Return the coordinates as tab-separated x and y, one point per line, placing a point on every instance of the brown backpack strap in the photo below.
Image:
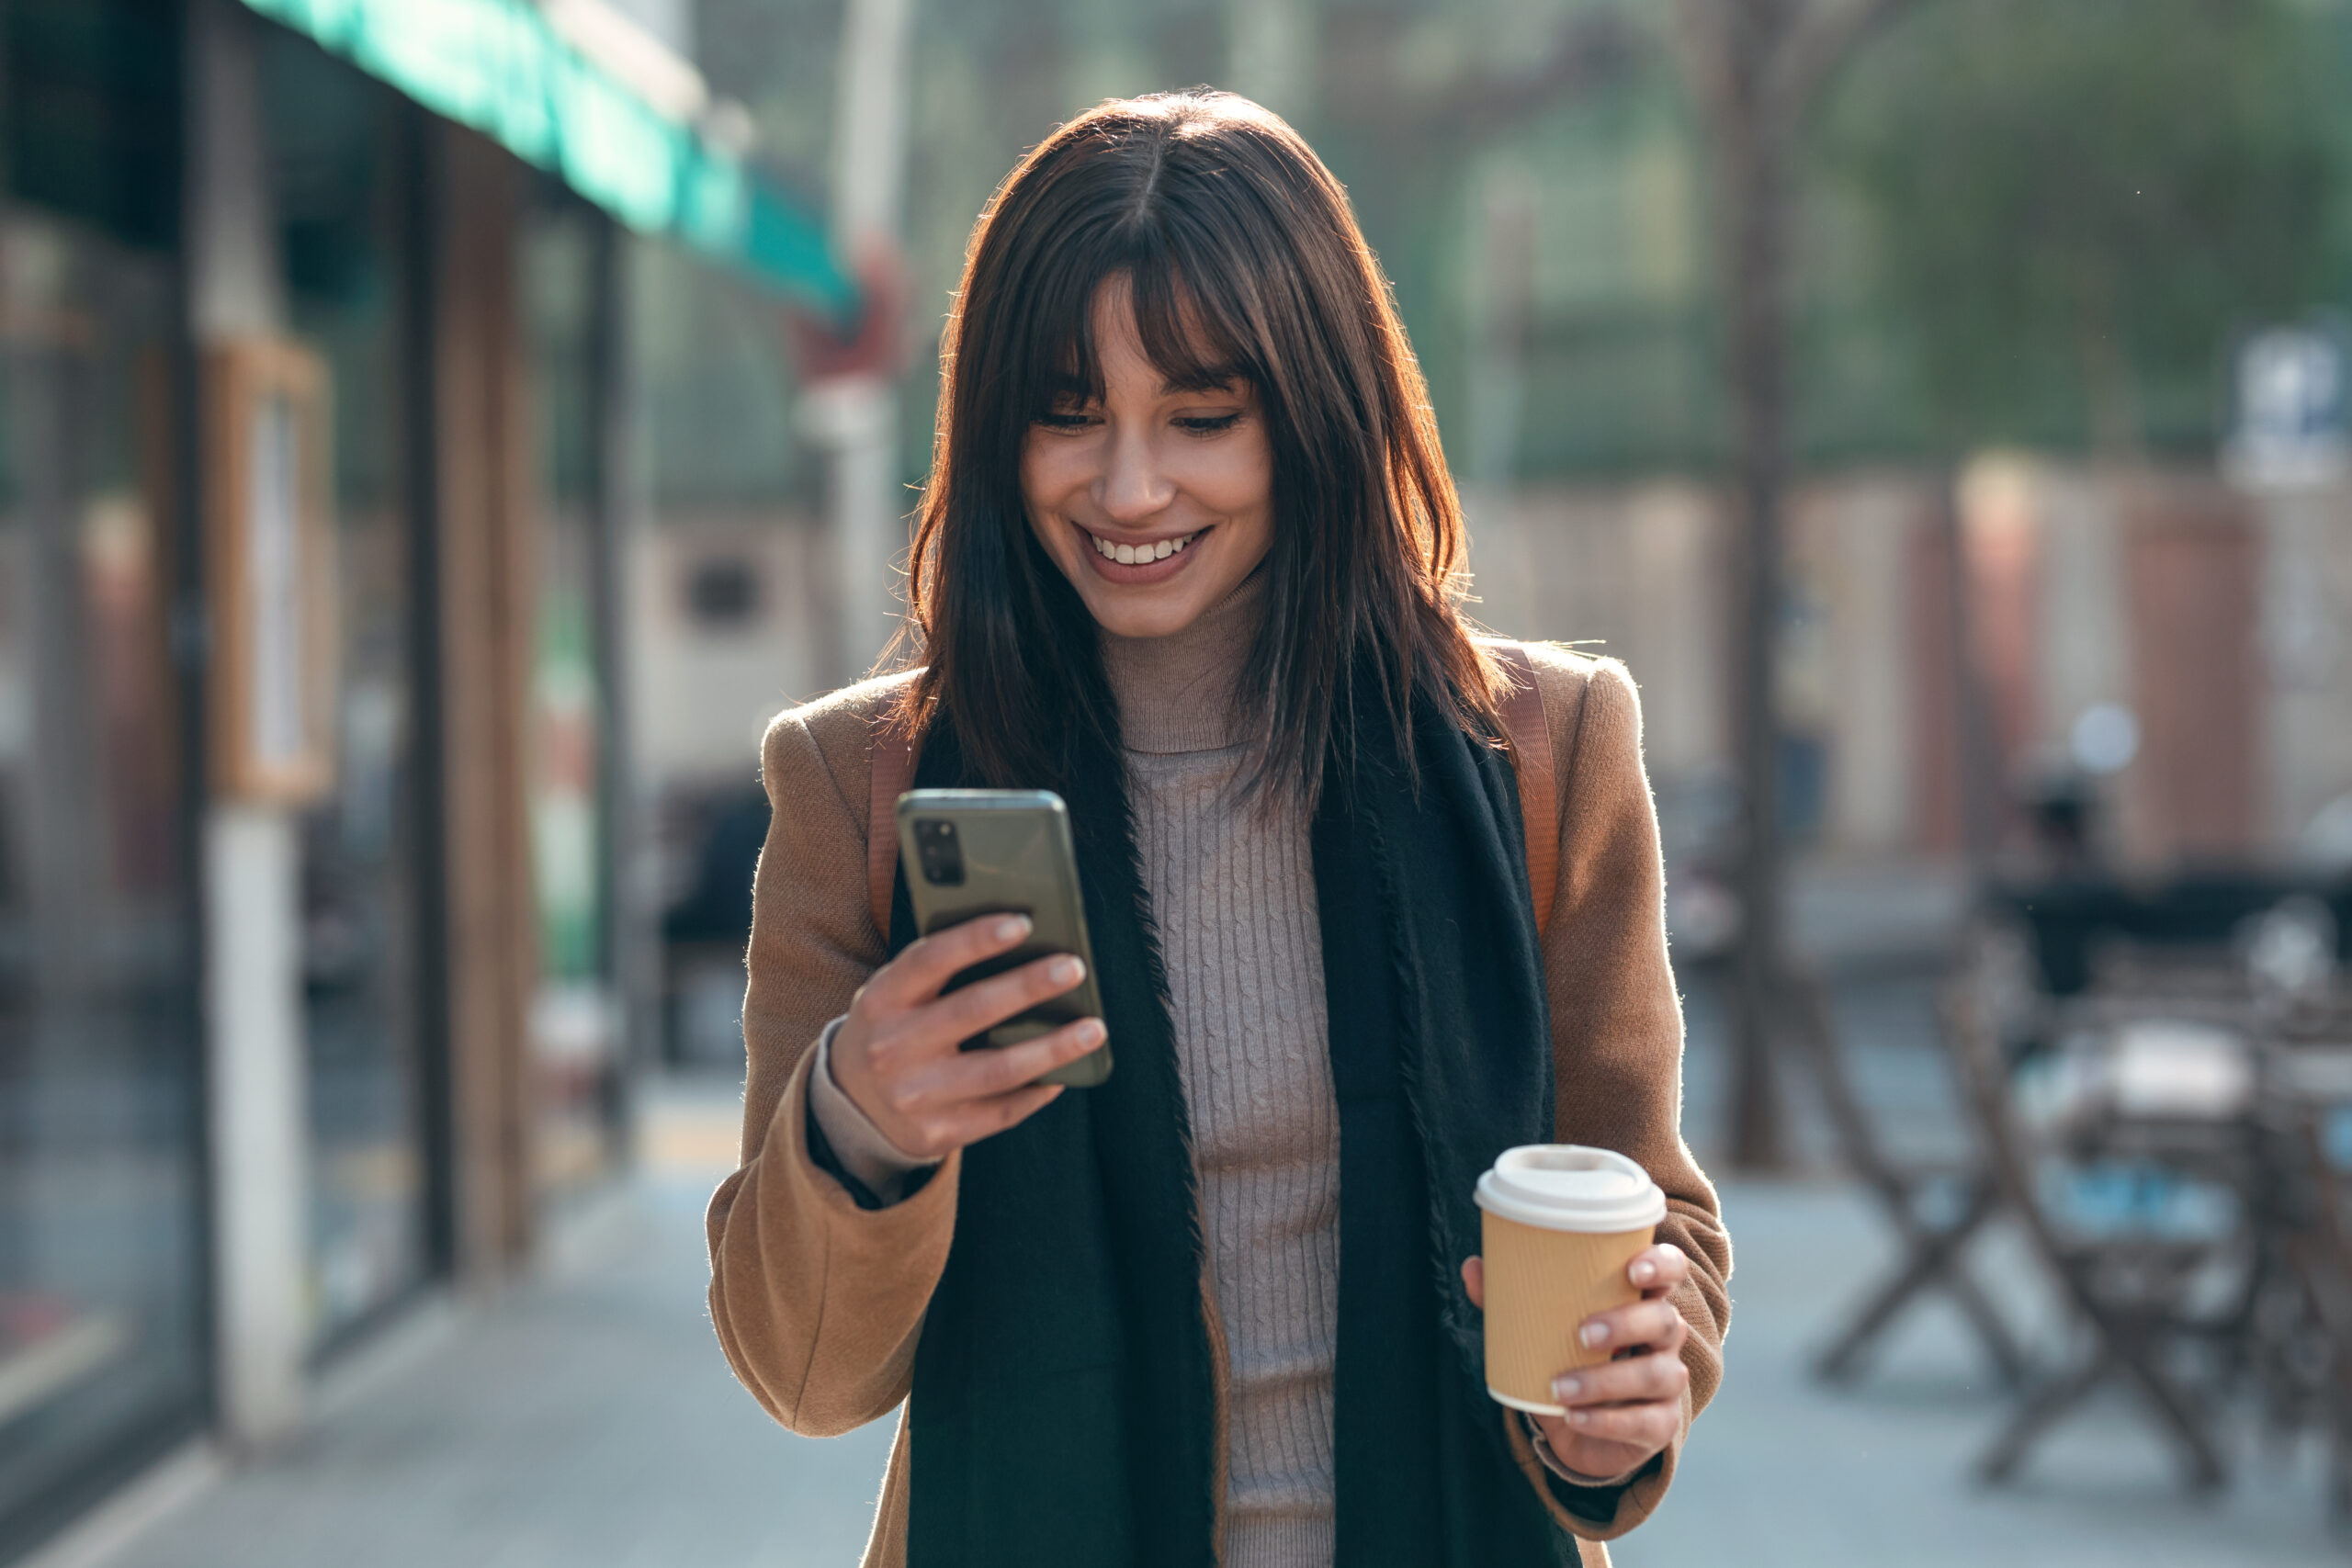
894	771
1530	743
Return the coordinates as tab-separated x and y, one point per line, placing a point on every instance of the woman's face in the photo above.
1154	501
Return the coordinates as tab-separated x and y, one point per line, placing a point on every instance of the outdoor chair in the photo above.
2139	1290
1935	1210
2302	1350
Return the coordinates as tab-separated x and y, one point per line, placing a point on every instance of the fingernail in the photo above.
1643	1271
1565	1388
1012	928
1066	971
1592	1334
1579	1417
1091	1031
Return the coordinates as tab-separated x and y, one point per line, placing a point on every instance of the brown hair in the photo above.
1242	262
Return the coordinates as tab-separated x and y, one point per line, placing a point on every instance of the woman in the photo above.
1188	557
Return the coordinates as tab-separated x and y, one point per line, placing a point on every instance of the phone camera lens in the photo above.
938	852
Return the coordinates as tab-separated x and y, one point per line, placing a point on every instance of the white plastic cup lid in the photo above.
1567	1187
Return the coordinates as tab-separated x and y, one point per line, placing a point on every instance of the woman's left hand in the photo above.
1628	1409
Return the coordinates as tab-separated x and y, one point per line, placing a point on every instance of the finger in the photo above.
1648	1427
962	1014
1659	1268
1637	1380
1651	1323
984	1075
916	974
1473	1279
985	1118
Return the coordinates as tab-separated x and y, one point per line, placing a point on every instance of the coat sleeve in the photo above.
1617	1021
817	1301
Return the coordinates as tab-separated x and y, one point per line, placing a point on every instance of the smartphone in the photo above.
969	853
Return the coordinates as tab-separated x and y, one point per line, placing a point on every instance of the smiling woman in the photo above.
1188	557
1149	485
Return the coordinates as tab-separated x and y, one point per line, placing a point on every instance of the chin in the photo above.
1146	615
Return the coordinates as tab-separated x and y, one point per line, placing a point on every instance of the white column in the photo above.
255	1092
855	417
255	1076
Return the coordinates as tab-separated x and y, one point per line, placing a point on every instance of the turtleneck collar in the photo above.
1176	692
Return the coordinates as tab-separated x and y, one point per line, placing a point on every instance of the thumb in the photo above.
1473	1279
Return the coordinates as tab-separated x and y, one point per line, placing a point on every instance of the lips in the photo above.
1138	553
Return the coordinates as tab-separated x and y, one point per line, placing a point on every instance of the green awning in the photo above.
497	67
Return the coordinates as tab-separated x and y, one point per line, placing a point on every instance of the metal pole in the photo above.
855	417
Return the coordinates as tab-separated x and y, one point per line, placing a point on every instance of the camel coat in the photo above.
818	1303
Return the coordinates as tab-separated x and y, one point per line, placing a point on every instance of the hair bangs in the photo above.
1195	342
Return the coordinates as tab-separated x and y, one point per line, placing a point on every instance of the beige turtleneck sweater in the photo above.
1233	891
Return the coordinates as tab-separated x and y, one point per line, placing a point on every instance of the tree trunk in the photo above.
1752	157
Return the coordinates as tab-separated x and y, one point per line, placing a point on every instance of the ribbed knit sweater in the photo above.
1233	891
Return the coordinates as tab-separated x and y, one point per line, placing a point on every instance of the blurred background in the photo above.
436	435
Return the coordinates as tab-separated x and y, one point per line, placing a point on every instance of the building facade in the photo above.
316	986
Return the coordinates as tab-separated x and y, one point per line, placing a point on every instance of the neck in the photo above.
1177	692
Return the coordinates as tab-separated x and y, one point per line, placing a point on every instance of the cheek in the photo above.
1235	477
1044	481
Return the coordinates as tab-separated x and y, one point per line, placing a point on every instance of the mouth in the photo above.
1143	552
1140	562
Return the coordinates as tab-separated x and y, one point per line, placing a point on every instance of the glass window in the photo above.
99	1197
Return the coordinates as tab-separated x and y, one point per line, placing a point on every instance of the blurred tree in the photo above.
2075	204
1755	69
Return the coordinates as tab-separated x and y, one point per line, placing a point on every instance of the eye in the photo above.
1207	424
1065	419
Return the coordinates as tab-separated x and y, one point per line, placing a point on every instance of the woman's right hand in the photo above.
899	1056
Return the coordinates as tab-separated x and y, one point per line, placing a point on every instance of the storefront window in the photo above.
99	1200
335	179
575	1022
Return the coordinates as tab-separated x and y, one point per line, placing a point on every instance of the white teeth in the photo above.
1129	555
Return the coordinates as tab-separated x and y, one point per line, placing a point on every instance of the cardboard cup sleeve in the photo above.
1560	1224
1541	1286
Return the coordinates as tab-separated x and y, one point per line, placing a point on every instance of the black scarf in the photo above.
1064	1410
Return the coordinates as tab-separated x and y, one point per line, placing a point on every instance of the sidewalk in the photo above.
588	1422
584	1421
1781	1472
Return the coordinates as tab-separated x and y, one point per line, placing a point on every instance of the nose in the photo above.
1132	488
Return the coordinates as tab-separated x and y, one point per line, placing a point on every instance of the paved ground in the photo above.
588	1422
1796	1475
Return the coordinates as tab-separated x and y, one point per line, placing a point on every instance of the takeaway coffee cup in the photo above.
1562	1223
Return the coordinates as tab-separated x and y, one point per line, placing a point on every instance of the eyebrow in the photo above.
1209	379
